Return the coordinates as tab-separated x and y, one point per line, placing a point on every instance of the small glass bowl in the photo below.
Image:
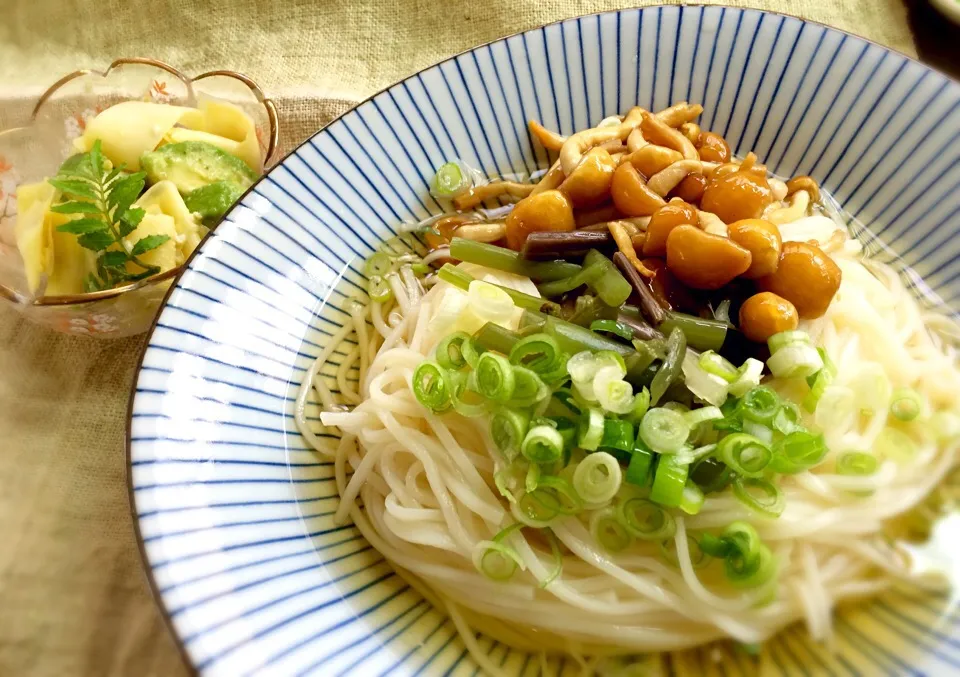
35	151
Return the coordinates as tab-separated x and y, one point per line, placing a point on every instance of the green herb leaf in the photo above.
96	160
83	226
130	220
149	242
75	165
76	187
115	259
96	240
75	208
124	191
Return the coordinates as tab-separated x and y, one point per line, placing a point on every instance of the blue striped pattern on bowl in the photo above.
235	511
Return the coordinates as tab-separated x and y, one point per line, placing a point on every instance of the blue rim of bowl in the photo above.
148	570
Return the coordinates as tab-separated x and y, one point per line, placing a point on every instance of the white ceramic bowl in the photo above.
234	510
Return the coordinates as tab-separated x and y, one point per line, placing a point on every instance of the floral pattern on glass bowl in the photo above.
35	151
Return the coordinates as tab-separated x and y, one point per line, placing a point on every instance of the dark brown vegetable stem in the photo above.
557	245
648	304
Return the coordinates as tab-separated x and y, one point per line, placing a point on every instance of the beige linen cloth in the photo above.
73	597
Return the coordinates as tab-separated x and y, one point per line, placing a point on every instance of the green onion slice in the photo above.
669	481
617	435
760	404
797	452
495	377
744	454
591	429
641	404
528	388
378	289
695	417
857	463
785	338
597	478
759	495
508	428
538	352
432	386
607	530
753	573
612	392
556	494
905	404
532	480
449	351
711	474
788	418
698	558
795	360
378	264
542	444
714	363
640	470
450	180
646	520
557	560
664	430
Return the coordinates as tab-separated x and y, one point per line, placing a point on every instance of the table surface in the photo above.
73	596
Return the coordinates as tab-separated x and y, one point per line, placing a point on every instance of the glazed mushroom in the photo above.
548	139
657	131
478	194
667	179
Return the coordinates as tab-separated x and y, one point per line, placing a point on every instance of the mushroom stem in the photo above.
478	194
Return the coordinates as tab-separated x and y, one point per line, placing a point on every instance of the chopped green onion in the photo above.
707	387
714	363
608	531
532	479
495	377
528	388
556	493
669	481
748	377
467	401
538	352
759	430
751	573
500	258
785	338
591	429
449	351
646	520
534	513
788	418
563	404
503	479
497	561
508	428
641	404
612	392
672	364
618	436
760	404
711	474
795	360
905	404
640	470
542	444
664	430
819	382
857	463
471	352
492	336
612	287
759	495
700	333
717	547
597	478
895	444
583	366
432	386
697	416
557	560
378	264
450	180
612	326
691	500
745	454
797	452
378	289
